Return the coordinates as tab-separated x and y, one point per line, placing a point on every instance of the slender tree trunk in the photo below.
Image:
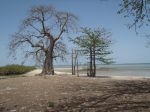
91	71
94	64
72	63
75	61
77	68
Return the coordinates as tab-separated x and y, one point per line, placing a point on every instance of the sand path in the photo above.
37	71
33	73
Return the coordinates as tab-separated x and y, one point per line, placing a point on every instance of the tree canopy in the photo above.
137	10
95	44
98	38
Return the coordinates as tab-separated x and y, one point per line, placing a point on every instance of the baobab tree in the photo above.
41	35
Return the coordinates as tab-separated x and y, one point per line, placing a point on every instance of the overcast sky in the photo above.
127	46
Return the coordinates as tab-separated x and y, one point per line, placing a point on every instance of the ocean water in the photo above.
142	70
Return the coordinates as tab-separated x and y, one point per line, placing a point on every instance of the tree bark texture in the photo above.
48	68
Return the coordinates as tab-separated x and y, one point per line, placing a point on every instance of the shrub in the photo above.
15	69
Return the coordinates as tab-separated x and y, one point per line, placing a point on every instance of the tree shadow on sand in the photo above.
122	96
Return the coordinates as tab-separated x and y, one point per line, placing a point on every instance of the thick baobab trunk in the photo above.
48	68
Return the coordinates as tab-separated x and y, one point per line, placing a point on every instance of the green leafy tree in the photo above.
137	10
95	44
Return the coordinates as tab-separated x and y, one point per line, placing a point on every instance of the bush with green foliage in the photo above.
15	69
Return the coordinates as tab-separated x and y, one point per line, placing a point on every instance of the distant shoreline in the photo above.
104	74
107	64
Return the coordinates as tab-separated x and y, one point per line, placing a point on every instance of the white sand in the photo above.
34	72
59	72
37	71
127	77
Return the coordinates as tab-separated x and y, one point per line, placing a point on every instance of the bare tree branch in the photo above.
38	35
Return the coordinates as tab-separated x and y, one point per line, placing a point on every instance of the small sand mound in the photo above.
34	72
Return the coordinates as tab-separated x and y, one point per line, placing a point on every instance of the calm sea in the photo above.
119	69
125	70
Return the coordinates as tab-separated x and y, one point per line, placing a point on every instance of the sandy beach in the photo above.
67	93
67	72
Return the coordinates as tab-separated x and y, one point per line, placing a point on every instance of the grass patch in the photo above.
14	70
10	76
51	104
